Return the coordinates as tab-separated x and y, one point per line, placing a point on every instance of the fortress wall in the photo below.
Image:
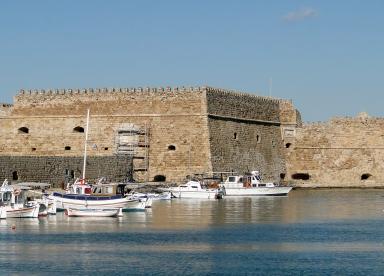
339	153
227	103
245	134
173	117
59	170
127	101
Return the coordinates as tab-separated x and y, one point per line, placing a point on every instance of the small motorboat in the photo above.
85	212
14	204
193	189
252	185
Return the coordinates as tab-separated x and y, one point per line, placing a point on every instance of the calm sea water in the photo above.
310	232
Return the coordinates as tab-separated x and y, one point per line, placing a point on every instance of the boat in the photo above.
252	185
162	196
194	189
88	212
14	204
102	196
37	194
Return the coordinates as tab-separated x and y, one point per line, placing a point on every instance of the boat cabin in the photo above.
11	195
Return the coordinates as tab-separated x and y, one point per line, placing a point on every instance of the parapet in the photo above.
242	94
107	90
168	89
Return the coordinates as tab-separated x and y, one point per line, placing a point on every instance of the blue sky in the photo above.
327	56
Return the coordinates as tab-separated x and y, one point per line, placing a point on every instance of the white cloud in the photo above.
300	14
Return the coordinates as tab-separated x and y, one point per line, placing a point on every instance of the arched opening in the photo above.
159	178
106	148
33	149
235	135
67	148
282	176
15	176
287	145
23	130
366	176
171	147
300	176
79	129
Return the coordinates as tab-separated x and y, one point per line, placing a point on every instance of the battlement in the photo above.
242	94
107	90
168	89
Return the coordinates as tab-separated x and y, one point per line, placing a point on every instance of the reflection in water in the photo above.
336	231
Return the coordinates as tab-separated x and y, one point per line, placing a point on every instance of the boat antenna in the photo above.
85	144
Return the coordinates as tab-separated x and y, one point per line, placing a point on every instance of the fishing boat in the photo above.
88	212
14	203
252	185
103	196
193	189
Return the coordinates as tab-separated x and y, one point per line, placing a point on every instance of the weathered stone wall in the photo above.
58	170
175	118
231	104
245	134
188	130
344	152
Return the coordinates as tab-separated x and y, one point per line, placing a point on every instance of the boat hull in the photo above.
92	212
124	203
258	191
195	194
23	212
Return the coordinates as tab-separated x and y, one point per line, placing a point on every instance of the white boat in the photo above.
163	196
87	212
36	190
251	185
13	203
101	196
193	189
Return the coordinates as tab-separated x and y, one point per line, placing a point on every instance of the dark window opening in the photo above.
287	145
365	176
159	178
23	130
300	176
258	138
282	176
72	174
15	176
106	148
235	135
171	147
78	129
33	149
67	148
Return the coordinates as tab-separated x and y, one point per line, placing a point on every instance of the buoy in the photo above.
13	227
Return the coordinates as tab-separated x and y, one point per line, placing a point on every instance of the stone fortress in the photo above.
168	134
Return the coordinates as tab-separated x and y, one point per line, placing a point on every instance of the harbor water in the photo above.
309	232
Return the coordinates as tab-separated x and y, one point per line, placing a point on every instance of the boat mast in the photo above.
85	144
